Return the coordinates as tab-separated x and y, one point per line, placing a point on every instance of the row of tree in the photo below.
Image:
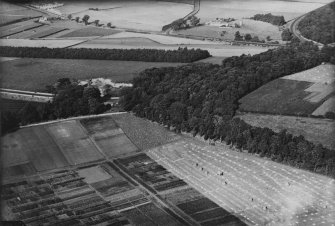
70	100
269	18
203	98
182	55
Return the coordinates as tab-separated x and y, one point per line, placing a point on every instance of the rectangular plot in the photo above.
209	214
98	124
75	144
228	220
42	150
138	218
158	215
197	205
48	32
94	174
19	170
116	145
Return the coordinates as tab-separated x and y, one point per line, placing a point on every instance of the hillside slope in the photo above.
319	25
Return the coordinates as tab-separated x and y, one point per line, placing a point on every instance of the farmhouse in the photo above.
222	22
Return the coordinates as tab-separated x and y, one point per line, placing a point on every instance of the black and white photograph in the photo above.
167	112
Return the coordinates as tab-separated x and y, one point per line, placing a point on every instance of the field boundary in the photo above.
72	118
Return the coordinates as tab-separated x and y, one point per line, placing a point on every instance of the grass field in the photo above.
255	28
90	31
315	130
10	13
17	28
39	43
34	74
259	191
327	106
297	94
281	96
39	32
143	15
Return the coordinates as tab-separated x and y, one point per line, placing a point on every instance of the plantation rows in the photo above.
256	190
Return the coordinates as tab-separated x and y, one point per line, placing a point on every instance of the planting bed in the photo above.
144	134
256	190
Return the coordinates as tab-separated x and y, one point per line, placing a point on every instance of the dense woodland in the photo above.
70	100
319	25
202	99
182	55
269	18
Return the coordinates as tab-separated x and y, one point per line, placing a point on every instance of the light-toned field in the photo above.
11	12
94	174
260	192
213	49
75	144
162	39
39	43
35	73
255	28
313	129
116	145
211	9
143	15
89	31
327	106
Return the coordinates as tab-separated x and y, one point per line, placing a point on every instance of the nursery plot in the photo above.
75	144
254	189
144	134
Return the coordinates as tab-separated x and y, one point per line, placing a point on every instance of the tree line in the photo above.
183	55
70	100
203	98
269	18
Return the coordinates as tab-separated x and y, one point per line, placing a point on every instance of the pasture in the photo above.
281	96
34	74
313	129
297	94
10	13
39	43
143	15
256	190
255	28
89	31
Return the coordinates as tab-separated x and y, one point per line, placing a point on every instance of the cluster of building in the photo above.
222	22
46	6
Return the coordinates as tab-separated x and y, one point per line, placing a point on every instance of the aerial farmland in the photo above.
167	113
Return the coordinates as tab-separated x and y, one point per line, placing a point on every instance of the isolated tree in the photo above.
77	19
69	17
194	21
96	22
247	37
255	39
268	38
238	36
85	19
109	24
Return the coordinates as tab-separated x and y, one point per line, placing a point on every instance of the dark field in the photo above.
34	74
281	96
12	105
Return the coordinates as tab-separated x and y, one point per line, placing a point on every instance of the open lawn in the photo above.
313	129
34	74
259	191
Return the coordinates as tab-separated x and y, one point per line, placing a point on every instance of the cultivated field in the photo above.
17	28
297	94
259	28
259	191
39	43
214	49
327	106
34	74
315	130
143	133
10	13
143	15
89	31
39	32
